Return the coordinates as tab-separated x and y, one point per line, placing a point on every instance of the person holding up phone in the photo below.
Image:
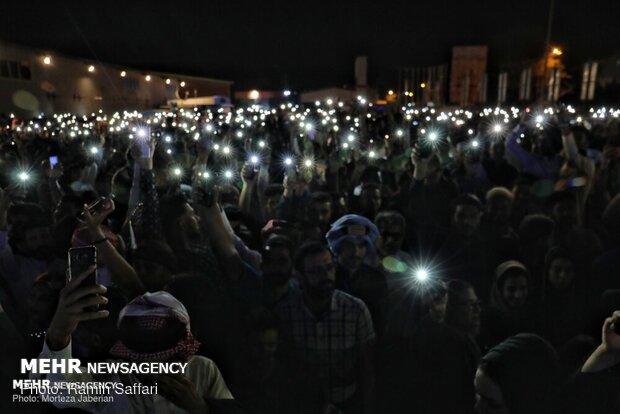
110	260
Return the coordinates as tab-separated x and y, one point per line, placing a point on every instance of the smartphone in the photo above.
97	206
251	170
143	140
80	259
53	161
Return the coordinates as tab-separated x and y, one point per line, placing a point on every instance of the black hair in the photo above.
278	240
468	200
320	197
390	217
308	249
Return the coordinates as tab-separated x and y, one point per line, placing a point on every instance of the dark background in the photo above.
300	44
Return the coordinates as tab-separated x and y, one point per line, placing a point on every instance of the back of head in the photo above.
525	367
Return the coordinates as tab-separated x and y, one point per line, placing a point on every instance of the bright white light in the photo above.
254	159
308	127
209	127
351	138
216	147
372	154
94	150
345	145
177	172
432	136
239	134
288	161
147	78
24	176
168	138
470	132
308	163
182	84
539	119
475	144
168	81
254	94
400	133
421	275
497	128
123	74
47	60
330	102
287	93
226	150
261	144
228	174
91	68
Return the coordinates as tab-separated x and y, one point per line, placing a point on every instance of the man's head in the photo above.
463	311
391	226
32	238
273	195
499	205
317	271
560	269
563	207
262	334
522	191
511	285
320	209
154	327
518	376
535	231
351	239
179	222
277	264
467	213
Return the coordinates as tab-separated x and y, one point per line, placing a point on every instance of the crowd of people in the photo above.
339	257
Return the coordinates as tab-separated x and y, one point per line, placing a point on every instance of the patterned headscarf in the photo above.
153	312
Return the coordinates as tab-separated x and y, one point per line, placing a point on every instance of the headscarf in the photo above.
153	312
352	227
497	299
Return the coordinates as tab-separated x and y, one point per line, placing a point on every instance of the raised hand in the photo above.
94	220
72	301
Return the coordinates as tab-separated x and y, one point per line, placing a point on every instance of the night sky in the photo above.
273	44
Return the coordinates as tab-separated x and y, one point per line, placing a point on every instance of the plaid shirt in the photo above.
330	347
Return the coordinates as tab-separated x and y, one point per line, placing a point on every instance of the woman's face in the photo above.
514	291
561	273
